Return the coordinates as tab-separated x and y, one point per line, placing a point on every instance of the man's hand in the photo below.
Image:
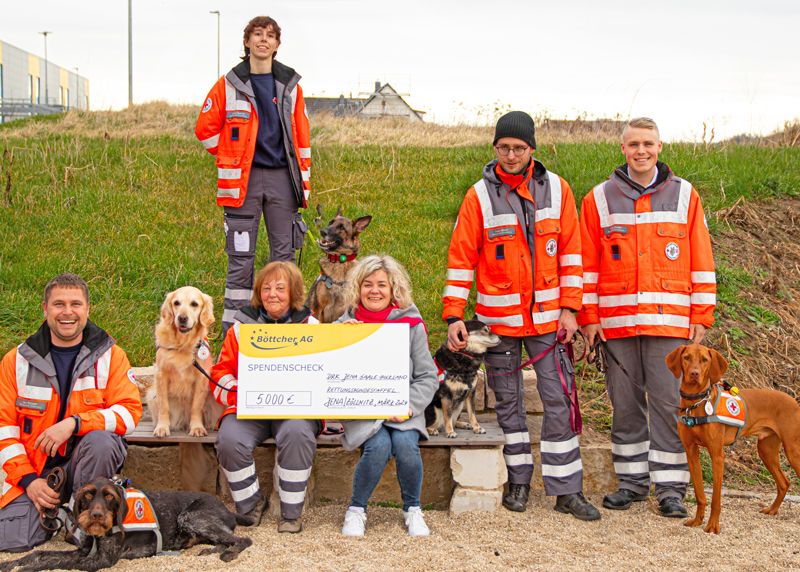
41	495
457	336
55	436
401	419
567	322
590	331
697	332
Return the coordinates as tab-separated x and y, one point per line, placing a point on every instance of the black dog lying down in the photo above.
185	519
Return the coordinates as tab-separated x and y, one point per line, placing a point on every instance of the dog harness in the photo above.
728	408
441	373
141	517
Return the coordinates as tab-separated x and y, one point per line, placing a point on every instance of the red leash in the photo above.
558	349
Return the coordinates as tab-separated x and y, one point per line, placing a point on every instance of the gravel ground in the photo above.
537	539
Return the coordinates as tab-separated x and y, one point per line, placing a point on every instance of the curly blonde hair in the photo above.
398	279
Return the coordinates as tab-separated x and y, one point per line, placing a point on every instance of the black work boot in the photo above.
256	514
622	499
672	507
516	498
577	505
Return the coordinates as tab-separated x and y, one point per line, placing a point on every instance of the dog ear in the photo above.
338	212
78	507
673	361
166	307
362	223
719	365
207	315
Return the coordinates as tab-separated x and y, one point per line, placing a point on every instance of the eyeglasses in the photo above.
518	150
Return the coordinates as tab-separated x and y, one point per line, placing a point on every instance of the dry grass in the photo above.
159	118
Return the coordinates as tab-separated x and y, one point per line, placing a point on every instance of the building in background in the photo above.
383	102
25	90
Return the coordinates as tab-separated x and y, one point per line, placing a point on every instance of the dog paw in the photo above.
769	510
432	431
693	522
478	430
161	431
452	435
198	431
712	527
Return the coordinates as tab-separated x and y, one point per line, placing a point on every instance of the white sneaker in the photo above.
416	522
355	521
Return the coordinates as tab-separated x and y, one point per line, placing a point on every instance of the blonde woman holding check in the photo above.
379	291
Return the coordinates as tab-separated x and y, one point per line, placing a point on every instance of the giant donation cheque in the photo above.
323	371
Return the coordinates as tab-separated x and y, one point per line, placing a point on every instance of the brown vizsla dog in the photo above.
772	416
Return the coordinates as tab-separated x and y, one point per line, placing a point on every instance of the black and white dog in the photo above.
458	372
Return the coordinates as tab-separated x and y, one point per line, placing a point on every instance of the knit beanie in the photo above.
517	124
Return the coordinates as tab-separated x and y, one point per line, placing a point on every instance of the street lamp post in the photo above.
130	53
217	13
46	90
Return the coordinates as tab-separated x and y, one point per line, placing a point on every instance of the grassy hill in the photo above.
126	200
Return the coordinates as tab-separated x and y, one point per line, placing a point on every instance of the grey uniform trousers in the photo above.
645	445
269	191
562	470
296	444
97	454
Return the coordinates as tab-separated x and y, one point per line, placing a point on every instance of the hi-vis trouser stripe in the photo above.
245	491
291	486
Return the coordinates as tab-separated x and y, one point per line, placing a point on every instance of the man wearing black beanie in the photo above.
517	237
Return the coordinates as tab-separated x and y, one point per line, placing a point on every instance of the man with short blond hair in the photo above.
67	396
649	285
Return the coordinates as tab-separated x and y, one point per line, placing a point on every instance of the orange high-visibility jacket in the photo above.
523	278
228	124
647	258
226	370
104	395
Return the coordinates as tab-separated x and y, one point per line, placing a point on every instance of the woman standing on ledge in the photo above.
379	291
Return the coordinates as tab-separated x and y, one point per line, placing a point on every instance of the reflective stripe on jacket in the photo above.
104	395
228	124
226	370
526	252
647	258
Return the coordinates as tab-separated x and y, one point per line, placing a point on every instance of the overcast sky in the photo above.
733	64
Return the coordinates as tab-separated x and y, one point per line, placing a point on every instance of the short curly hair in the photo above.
280	269
260	22
398	279
66	280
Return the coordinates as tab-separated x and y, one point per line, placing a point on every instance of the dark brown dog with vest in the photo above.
772	416
185	519
340	244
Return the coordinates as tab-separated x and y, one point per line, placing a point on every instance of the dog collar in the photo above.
341	257
696	395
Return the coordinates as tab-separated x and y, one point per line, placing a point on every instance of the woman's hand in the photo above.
401	419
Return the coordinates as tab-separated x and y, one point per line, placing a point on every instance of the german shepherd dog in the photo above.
339	242
460	372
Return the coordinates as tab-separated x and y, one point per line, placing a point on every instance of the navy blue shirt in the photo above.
64	360
269	141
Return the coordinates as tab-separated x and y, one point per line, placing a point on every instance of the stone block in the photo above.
335	467
478	468
533	403
474	500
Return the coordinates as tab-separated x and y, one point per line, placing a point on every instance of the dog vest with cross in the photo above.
141	517
727	409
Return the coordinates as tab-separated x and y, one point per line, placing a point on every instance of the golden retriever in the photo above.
180	396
